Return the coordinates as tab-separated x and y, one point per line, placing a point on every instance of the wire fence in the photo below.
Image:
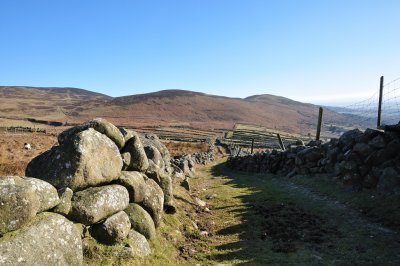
391	102
366	111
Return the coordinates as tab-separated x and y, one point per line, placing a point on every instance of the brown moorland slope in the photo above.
22	102
200	110
168	107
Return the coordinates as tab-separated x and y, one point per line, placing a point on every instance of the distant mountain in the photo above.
168	107
48	103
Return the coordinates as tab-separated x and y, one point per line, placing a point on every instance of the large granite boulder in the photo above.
134	154
86	159
99	124
153	201
114	229
48	196
19	203
134	182
49	240
96	203
141	220
137	245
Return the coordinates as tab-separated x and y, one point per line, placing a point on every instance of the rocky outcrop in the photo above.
368	159
96	178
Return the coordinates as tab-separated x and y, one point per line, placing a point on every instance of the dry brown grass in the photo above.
179	147
14	158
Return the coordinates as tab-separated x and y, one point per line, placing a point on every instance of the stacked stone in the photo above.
183	166
369	159
114	182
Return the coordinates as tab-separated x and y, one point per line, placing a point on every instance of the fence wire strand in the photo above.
367	110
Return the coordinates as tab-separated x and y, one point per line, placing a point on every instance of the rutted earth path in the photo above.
267	220
340	207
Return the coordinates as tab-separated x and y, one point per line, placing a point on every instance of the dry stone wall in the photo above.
183	166
369	159
99	183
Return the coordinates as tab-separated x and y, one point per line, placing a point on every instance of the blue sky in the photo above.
321	51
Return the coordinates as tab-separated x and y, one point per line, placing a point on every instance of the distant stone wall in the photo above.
99	183
183	166
369	159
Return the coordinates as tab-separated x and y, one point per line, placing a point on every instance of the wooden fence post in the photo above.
240	149
321	111
252	145
378	123
280	142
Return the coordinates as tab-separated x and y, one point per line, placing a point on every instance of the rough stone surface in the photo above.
99	124
141	220
349	137
156	163
138	159
137	244
19	203
153	201
378	142
65	195
134	183
88	158
114	229
94	204
48	196
363	149
126	160
50	240
389	180
166	186
126	133
153	140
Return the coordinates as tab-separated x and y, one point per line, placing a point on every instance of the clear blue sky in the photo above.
315	51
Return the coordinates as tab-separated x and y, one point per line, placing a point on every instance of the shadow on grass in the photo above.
274	228
255	246
279	228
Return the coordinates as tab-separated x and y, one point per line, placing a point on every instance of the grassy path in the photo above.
253	219
265	220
